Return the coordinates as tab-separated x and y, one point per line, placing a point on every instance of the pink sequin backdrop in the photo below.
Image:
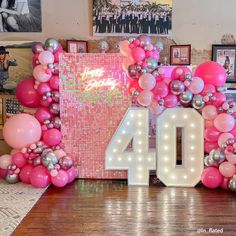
93	102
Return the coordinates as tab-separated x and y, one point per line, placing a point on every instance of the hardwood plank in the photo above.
96	207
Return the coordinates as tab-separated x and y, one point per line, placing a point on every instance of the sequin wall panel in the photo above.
93	102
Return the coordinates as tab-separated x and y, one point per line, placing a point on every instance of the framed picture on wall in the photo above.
180	55
226	56
231	94
74	46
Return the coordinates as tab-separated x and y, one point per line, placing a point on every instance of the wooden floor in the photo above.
112	208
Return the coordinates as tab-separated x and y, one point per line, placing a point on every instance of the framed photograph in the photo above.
132	17
231	94
74	46
180	55
226	56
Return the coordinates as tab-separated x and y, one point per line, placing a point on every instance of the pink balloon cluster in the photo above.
38	157
203	91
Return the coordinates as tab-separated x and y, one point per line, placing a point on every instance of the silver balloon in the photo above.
208	161
12	179
51	44
155	73
55	96
132	71
159	45
186	97
50	167
198	102
55	69
176	87
37	161
151	63
144	40
66	163
232	185
54	108
103	46
217	156
131	39
49	158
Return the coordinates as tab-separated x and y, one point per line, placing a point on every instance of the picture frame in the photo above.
77	46
180	55
225	55
230	93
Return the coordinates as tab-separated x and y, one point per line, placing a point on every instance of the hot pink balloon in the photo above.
209	123
161	89
40	74
225	183
124	48
52	137
3	173
145	98
180	72
208	88
5	161
171	101
137	54
54	82
211	72
72	174
220	99
46	57
227	169
208	146
211	134
44	88
25	174
147	81
21	130
40	177
224	122
19	160
196	85
43	114
211	177
223	138
26	93
209	112
61	179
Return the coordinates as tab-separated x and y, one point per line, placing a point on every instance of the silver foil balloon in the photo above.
50	167
57	122
198	102
55	69
208	161
132	71
186	97
66	163
144	40
55	96
176	87
37	161
103	46
12	179
49	158
159	45
54	108
232	184
217	156
37	48
51	44
151	63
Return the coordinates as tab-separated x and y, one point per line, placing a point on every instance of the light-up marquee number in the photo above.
141	160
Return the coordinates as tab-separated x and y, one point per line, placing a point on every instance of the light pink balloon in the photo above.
209	112
208	123
155	108
223	138
40	74
196	86
227	169
147	81
224	122
61	179
14	151
5	161
126	63
21	130
124	48
46	57
59	153
72	174
230	157
145	98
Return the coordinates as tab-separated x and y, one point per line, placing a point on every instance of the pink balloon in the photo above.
161	89
225	183
156	55
209	123
61	179
233	131
46	103
224	122
137	54
72	174
145	98
180	72
54	82
220	99
208	88
211	177
223	138
21	130
3	173
211	134
124	48
46	57
126	63
5	161
59	154
209	112
171	101
19	160
196	85
14	151
147	81
40	74
52	137
155	108
227	169
44	88
25	174
230	157
208	147
26	93
212	73
40	177
43	114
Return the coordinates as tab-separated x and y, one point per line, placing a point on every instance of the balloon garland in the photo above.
38	157
204	91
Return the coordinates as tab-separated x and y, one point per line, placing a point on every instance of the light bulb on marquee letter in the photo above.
139	160
189	173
